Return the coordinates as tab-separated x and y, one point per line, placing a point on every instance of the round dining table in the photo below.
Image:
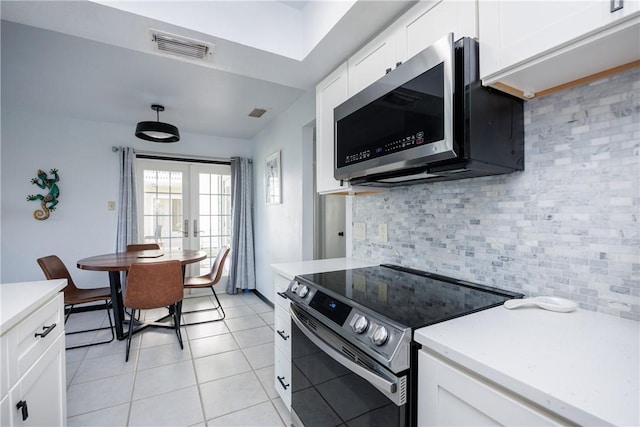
115	263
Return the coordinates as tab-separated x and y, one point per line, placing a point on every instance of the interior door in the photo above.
185	205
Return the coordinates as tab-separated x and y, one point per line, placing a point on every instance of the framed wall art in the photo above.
273	180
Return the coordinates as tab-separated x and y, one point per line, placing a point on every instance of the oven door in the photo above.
335	384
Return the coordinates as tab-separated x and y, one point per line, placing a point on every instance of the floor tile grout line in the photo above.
240	302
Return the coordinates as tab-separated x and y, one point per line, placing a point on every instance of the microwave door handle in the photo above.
380	383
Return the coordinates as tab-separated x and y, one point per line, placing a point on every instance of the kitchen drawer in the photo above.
283	331
280	285
283	376
49	317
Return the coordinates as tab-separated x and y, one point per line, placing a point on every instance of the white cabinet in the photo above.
330	93
450	396
42	390
373	61
282	339
33	369
429	21
417	29
533	47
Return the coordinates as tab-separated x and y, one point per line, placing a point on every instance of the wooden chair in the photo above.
54	268
155	285
208	281
143	247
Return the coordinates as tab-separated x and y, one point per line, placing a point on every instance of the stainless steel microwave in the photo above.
430	119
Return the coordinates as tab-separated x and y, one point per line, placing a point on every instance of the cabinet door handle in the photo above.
387	71
283	295
45	331
281	379
22	405
283	335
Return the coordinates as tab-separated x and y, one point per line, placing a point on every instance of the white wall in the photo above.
81	151
281	233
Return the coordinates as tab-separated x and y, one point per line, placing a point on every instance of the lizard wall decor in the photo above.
49	201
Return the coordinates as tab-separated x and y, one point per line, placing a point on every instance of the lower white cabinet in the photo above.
282	339
33	359
450	396
41	391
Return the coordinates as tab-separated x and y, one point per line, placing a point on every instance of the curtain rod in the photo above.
178	157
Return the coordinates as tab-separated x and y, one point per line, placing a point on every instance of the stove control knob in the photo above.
303	291
360	325
380	336
293	286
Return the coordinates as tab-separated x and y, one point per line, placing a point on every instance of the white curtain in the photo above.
127	231
242	274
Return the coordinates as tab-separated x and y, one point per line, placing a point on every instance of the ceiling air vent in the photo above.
257	112
181	46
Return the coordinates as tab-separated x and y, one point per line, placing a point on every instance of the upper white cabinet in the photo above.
429	21
373	60
330	93
419	28
529	48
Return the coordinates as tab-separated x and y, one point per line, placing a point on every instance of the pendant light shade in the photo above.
157	131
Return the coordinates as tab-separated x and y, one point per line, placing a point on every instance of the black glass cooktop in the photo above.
410	297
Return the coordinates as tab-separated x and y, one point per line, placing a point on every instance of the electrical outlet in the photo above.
382	233
111	205
359	231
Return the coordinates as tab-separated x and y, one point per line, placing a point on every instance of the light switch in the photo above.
111	205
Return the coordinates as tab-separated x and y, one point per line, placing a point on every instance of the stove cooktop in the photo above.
409	297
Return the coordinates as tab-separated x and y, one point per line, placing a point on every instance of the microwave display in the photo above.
410	116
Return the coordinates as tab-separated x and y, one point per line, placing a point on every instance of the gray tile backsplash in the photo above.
565	226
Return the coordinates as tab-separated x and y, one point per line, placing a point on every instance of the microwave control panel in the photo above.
400	144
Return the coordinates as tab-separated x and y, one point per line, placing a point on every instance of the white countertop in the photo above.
291	269
24	297
582	365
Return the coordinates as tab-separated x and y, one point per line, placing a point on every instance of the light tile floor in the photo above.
223	377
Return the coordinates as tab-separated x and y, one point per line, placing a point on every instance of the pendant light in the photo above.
157	131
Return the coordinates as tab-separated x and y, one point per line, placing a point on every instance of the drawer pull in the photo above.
22	405
283	335
281	379
45	332
283	295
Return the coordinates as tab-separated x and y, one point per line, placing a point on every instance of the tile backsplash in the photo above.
566	226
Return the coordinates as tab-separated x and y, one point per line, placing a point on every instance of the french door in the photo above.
185	206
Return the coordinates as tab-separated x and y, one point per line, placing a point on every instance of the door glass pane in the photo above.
214	215
163	209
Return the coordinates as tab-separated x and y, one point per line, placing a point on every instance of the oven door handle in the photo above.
382	384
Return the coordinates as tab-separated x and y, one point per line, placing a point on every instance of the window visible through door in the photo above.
185	206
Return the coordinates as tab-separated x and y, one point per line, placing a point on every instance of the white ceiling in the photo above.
94	60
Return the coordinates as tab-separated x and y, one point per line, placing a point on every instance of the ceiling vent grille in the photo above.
257	112
181	46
